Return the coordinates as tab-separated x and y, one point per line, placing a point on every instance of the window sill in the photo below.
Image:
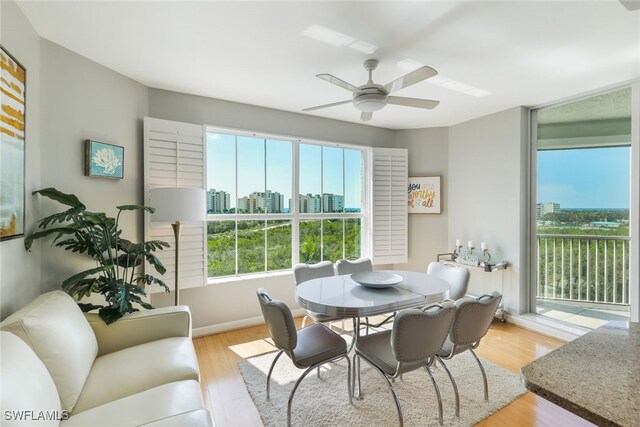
250	276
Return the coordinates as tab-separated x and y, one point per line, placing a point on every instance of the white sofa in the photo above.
57	362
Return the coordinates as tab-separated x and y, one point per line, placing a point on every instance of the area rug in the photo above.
324	401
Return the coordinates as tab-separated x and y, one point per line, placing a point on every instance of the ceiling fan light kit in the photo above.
372	97
370	102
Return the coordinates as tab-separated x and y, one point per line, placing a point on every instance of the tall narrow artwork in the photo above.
13	85
424	195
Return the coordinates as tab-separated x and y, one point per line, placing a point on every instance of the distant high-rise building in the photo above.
218	201
332	202
309	203
545	208
262	202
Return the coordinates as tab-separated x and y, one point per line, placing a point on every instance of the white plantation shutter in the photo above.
174	155
390	169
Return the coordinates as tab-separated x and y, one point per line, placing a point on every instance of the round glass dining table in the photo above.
341	296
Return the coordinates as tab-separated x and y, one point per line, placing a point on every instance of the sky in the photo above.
585	178
321	168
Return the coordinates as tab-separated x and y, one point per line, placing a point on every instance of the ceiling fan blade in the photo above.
413	102
336	81
412	78
365	117
318	107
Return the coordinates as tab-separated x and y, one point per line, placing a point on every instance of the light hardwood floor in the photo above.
507	345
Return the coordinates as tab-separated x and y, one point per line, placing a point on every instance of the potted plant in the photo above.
94	234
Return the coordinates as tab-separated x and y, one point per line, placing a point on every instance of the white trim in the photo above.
236	324
634	206
531	295
552	328
586	95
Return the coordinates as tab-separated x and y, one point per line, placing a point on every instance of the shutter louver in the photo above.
390	168
174	157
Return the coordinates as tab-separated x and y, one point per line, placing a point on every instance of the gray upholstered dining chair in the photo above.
361	265
305	272
471	323
307	348
417	335
457	277
345	266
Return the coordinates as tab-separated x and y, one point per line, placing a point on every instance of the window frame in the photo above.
294	216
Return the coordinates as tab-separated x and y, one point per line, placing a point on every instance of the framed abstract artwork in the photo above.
104	160
424	195
13	100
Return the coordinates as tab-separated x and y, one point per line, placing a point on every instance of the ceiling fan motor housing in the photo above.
370	98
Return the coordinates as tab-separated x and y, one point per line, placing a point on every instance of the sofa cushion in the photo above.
141	408
55	328
26	385
135	369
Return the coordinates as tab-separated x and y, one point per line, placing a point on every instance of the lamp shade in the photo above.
178	204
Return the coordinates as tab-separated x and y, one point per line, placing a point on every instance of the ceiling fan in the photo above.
372	97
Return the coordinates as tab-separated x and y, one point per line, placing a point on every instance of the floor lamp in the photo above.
178	206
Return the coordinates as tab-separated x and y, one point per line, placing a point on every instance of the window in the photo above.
254	222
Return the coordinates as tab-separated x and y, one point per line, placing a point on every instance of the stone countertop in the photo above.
596	376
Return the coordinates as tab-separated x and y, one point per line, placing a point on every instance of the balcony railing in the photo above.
583	268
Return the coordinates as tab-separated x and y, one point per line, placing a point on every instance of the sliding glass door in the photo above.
581	238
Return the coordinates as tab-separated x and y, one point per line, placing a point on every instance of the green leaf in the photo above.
135	208
88	307
85	287
77	277
128	260
147	279
60	197
125	245
110	314
61	217
155	262
60	231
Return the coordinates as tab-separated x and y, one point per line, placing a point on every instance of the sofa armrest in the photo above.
140	327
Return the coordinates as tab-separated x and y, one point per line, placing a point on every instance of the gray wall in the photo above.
428	156
198	110
482	163
227	303
19	270
487	197
84	100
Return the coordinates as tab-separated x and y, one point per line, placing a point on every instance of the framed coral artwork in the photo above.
104	160
13	125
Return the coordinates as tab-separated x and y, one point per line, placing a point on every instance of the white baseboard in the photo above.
237	324
548	327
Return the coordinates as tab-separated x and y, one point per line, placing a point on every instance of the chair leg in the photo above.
359	383
349	387
391	390
271	370
295	387
453	383
435	386
304	374
484	376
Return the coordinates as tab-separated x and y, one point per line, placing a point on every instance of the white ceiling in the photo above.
523	53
